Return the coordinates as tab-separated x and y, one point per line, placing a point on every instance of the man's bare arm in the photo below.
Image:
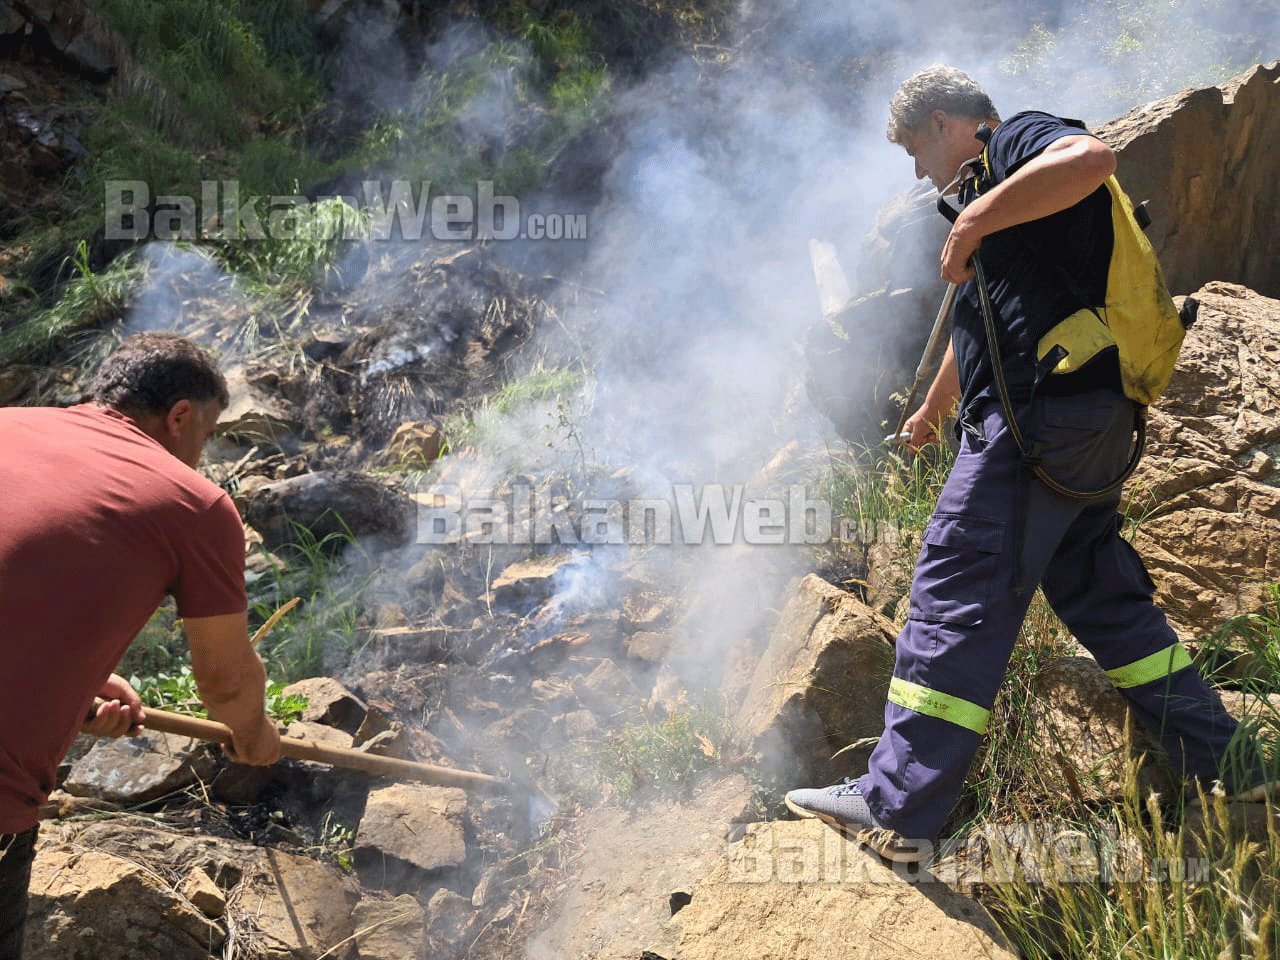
943	395
1063	174
232	684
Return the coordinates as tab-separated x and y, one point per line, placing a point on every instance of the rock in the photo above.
320	734
11	22
105	882
1077	734
580	725
604	687
415	444
530	582
78	32
1247	706
1208	490
299	907
82	898
618	902
649	646
860	356
374	723
389	743
333	505
329	703
390	929
254	415
1201	158
819	685
204	894
137	770
448	915
416	824
239	783
796	888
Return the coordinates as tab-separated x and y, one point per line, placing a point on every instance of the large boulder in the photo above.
819	686
83	898
1207	491
1082	738
619	903
799	889
332	505
1202	159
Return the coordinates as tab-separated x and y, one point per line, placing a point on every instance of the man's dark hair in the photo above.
150	372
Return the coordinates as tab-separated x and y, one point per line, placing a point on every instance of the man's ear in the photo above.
175	421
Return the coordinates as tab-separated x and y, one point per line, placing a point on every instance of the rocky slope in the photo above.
528	661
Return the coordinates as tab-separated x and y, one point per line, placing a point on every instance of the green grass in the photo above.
1195	889
480	426
326	629
663	757
206	65
177	693
884	489
89	303
543	68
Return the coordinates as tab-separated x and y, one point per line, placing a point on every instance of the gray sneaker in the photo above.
844	807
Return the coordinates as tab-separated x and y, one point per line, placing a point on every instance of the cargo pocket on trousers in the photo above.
959	570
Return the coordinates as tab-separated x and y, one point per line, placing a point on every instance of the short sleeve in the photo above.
211	583
1025	135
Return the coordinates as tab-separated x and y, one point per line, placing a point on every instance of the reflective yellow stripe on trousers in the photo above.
931	703
1159	664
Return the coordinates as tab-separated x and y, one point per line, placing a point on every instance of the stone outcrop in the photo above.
390	929
1203	161
638	869
84	898
1082	738
819	686
154	895
1209	488
799	889
74	28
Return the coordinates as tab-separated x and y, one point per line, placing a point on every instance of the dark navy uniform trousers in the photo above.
966	613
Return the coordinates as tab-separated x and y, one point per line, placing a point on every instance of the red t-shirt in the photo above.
98	522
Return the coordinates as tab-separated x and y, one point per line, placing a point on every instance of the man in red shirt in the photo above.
102	515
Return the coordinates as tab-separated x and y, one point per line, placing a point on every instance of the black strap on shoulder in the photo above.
1031	452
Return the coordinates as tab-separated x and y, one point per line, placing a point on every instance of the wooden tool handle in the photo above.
211	730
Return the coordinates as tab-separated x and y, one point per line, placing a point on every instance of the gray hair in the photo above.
937	88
